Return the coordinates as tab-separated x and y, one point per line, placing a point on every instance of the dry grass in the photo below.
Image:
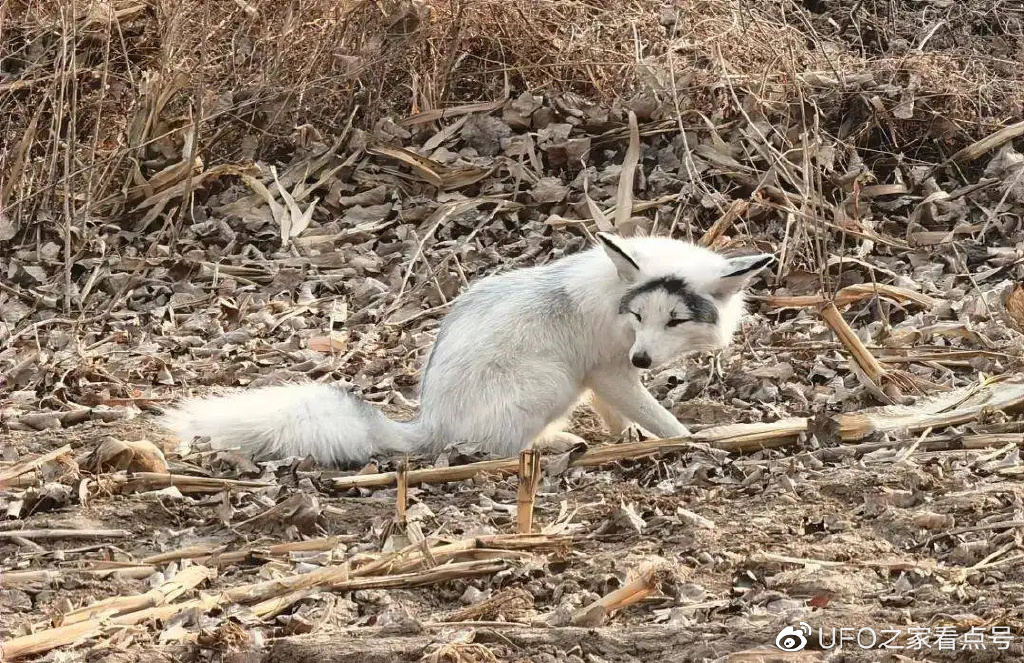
101	93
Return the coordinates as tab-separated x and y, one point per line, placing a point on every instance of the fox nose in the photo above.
641	360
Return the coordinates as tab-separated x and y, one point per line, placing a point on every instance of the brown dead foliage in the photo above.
203	195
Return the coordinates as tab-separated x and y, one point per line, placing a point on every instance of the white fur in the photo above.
322	420
516	353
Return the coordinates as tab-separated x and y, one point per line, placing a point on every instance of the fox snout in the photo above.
640	359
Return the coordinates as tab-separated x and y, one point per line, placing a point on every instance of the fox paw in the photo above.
558	443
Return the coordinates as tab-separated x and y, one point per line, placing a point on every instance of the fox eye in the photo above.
637	316
675	322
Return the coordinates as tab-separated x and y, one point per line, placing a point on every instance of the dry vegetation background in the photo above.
204	194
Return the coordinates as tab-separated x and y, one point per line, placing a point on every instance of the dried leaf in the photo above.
115	455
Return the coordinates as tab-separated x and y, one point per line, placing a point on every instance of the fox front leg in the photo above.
624	392
612	420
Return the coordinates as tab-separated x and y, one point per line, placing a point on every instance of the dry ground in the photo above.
147	255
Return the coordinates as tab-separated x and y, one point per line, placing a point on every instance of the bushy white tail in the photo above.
326	422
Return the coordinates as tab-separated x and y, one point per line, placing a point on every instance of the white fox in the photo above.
516	353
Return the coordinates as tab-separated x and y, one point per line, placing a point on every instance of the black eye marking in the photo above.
675	322
637	316
702	308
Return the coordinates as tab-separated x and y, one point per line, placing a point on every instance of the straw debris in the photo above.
198	196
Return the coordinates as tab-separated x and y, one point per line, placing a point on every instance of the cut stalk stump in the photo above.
529	477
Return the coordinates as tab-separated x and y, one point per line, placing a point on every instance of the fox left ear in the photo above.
738	272
624	263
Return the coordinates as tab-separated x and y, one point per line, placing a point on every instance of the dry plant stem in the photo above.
851	295
276	598
186	580
339	578
191	552
90	621
208	554
32	464
529	477
949	409
412	556
21	578
436	114
270	595
927	566
44	641
142	481
1006	524
415	554
65	534
633	592
624	195
938	443
402	494
278	604
735	438
988	143
871	368
499	601
736	209
31	545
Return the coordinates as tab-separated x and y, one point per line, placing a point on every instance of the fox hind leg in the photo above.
555	439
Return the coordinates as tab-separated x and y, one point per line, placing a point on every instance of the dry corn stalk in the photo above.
888	386
402	495
186	483
735	438
32	534
529	476
852	294
270	597
119	610
416	554
624	194
640	587
214	554
186	580
30	465
44	641
512	603
33	576
948	409
736	209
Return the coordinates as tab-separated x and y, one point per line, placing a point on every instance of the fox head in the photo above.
679	298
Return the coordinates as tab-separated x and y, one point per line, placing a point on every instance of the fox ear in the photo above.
738	272
624	263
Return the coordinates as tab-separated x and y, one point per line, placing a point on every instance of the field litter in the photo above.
181	216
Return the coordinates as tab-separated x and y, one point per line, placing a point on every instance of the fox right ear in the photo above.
738	272
624	263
